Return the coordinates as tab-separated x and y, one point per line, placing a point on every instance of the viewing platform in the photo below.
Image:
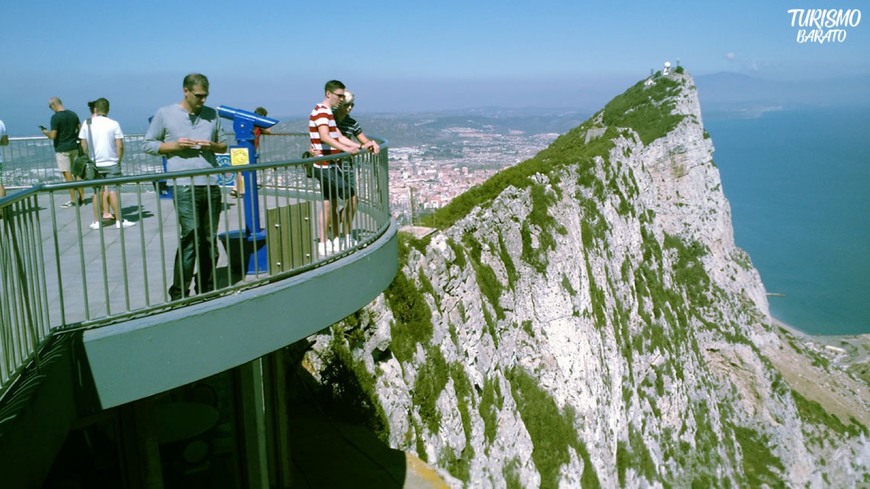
86	320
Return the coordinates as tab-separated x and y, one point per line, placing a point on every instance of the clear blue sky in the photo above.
399	56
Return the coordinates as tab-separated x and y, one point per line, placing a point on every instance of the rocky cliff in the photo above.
585	319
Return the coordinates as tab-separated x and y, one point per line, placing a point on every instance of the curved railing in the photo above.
30	161
58	275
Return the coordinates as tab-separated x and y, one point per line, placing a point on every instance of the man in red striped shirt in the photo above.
334	184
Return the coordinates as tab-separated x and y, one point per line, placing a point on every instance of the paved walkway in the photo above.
111	270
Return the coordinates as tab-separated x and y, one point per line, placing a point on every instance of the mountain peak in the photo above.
651	108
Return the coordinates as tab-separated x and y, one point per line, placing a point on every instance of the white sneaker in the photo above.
95	225
345	243
322	250
124	223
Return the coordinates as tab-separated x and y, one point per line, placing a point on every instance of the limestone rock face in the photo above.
594	324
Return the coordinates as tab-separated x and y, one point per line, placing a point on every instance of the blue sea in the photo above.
798	182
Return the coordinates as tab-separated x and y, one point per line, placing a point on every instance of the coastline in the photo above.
793	220
855	348
832	370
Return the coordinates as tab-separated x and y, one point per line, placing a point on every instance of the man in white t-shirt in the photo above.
4	140
108	142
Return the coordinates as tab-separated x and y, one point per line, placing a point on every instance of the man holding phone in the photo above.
64	132
189	134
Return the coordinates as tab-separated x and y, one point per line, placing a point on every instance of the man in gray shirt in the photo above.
189	134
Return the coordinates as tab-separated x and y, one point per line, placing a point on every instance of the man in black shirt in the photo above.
351	129
64	132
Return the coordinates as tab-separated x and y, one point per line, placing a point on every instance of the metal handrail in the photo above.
29	161
59	275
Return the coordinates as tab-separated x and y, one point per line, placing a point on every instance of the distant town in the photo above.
434	159
429	177
436	156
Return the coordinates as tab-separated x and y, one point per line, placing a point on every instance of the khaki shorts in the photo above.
65	159
109	171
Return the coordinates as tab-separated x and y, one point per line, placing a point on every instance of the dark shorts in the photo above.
335	183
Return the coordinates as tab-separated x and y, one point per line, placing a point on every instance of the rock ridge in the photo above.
593	323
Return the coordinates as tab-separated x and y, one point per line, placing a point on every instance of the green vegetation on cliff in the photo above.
646	109
350	390
413	318
552	431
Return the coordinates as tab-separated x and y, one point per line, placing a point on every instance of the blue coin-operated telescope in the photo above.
245	153
244	121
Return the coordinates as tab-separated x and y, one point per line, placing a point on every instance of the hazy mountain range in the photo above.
723	94
737	93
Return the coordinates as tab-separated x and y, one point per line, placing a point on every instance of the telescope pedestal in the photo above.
252	257
246	253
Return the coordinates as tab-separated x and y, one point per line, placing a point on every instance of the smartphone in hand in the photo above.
43	128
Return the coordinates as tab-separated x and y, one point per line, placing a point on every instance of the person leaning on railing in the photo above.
327	140
238	188
351	129
189	134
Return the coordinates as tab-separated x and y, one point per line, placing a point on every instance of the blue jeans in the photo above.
197	208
